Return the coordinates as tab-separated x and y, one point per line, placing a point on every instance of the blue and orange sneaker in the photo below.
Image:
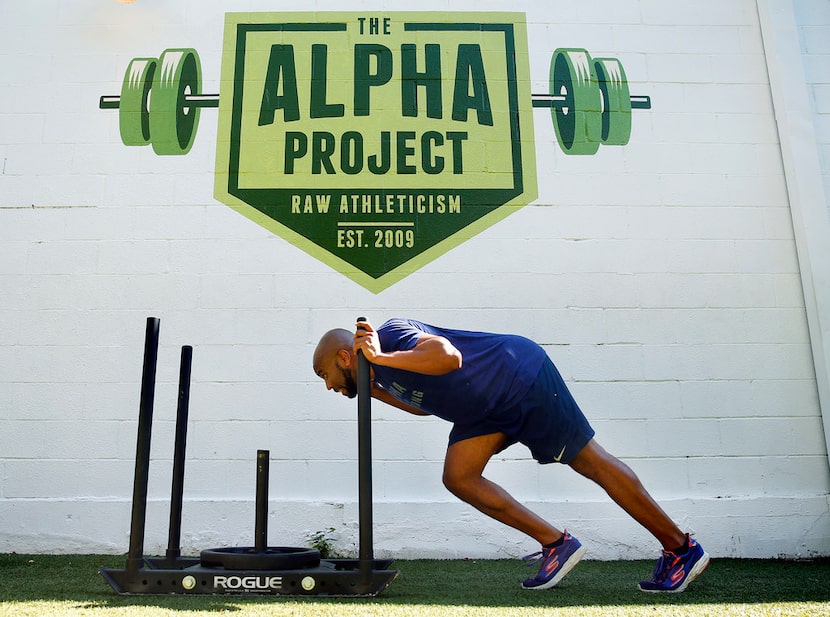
556	563
673	573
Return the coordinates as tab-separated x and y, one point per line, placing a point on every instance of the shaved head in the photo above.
332	342
333	361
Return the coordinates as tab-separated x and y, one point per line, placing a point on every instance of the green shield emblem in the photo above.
375	142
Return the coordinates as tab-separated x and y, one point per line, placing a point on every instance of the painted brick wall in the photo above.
813	18
661	277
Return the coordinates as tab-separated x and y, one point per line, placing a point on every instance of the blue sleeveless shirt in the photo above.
497	371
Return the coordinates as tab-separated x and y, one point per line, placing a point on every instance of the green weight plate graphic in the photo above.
173	121
616	109
578	121
134	115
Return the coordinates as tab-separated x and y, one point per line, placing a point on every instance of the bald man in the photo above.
498	390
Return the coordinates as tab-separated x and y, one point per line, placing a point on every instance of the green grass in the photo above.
39	585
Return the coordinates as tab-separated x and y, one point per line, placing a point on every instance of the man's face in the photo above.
337	377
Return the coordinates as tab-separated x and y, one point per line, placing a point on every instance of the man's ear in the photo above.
345	357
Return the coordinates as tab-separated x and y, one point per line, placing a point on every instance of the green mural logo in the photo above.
375	142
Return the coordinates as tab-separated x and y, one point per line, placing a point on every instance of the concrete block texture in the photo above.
663	277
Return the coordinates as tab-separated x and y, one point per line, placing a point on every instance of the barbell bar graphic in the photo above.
160	101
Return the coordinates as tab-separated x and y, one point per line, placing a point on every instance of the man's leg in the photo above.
463	468
625	488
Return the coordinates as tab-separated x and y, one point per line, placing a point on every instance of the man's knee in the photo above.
465	463
591	460
595	463
458	484
451	481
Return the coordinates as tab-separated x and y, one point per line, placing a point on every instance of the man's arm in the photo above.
431	355
383	395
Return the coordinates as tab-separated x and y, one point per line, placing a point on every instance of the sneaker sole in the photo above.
696	571
563	571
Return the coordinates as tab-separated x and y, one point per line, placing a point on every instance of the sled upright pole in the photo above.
364	447
135	556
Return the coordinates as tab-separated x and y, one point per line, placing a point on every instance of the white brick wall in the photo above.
814	32
661	277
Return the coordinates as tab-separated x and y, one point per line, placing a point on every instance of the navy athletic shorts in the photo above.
547	420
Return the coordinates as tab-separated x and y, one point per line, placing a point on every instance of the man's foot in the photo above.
556	563
673	573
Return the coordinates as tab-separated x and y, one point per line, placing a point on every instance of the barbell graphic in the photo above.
161	99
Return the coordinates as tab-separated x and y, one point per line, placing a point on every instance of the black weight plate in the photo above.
270	558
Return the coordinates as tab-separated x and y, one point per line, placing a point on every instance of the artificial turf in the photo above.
43	585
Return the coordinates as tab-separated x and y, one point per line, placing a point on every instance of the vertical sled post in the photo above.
135	556
364	447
